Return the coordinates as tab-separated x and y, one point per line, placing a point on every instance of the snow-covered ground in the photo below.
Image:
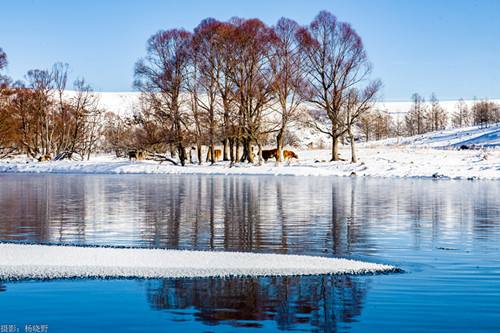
474	137
374	160
19	261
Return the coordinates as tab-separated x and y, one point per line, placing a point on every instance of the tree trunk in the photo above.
237	153
280	138
231	150
225	150
354	158
198	152
335	148
260	153
247	151
182	154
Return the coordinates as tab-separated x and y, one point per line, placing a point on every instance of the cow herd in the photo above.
288	155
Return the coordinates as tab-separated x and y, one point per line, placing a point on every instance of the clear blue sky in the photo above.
451	47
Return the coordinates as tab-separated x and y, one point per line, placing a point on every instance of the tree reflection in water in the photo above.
328	216
321	302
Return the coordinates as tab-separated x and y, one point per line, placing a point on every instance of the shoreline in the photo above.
375	162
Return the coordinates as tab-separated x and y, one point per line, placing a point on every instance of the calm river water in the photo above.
445	235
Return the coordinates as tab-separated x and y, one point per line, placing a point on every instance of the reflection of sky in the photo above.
444	234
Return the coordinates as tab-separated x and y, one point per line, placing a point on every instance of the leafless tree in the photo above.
208	64
461	117
436	116
415	119
161	75
485	112
287	67
335	62
357	104
3	59
252	78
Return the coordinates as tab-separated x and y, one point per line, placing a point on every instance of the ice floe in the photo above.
24	261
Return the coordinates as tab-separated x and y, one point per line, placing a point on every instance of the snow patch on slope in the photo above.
488	137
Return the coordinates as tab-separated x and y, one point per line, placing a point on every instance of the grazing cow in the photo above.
132	154
44	158
217	154
138	155
288	155
270	153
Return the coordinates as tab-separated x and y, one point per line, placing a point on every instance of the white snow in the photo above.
20	261
426	156
124	103
488	137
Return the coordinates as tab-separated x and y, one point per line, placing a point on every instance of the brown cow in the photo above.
217	154
288	155
270	153
44	158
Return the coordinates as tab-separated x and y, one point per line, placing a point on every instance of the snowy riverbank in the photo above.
430	155
375	161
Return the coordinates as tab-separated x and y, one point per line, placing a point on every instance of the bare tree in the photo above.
162	76
436	116
287	66
3	59
252	78
335	62
484	112
60	79
208	64
415	119
41	83
461	117
357	104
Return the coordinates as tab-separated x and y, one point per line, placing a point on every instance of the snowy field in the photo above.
20	261
376	161
432	155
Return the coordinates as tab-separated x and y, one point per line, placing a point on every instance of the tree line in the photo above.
37	117
239	84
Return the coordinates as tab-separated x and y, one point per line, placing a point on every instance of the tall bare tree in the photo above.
3	59
207	63
287	66
415	119
252	77
436	116
335	62
358	104
162	76
461	117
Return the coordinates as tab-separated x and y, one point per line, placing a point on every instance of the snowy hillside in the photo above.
472	137
125	102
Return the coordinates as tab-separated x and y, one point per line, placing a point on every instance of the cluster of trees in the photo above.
38	117
240	82
423	117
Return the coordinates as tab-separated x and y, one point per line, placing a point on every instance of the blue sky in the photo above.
450	47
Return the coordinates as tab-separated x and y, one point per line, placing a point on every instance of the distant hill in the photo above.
472	137
126	103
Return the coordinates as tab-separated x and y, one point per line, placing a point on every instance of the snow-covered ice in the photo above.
24	261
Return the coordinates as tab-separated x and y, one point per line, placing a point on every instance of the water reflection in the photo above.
387	220
330	216
321	302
